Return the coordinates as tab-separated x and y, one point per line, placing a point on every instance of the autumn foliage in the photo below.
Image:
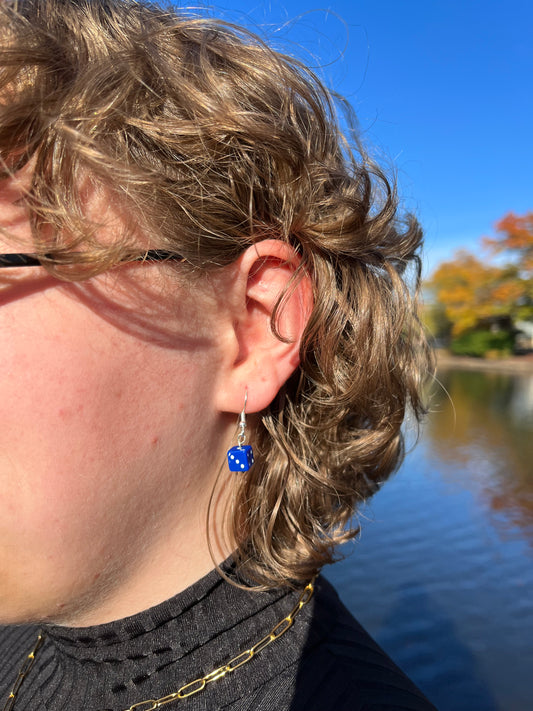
516	237
470	292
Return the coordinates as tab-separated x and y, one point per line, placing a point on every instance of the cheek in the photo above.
89	450
74	428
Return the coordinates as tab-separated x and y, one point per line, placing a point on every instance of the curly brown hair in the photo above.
215	141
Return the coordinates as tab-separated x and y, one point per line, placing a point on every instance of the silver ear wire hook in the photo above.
241	437
241	457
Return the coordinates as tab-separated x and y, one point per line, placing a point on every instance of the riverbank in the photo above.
514	364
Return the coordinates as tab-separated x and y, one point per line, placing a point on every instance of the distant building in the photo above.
524	336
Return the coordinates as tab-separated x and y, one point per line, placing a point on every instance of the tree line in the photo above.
476	307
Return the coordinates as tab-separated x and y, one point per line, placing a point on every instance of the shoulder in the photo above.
343	668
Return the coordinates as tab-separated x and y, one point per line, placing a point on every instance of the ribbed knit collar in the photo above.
174	628
153	653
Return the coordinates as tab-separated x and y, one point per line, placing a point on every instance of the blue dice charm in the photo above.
241	458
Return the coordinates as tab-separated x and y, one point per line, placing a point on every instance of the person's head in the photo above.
125	128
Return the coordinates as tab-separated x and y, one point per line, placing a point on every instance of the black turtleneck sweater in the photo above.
325	662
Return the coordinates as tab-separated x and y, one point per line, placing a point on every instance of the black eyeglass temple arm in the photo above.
31	260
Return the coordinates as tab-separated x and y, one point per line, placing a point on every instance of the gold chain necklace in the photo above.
193	687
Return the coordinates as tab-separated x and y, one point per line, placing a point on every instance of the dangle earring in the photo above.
241	457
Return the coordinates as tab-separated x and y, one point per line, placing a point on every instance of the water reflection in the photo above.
458	669
442	574
481	431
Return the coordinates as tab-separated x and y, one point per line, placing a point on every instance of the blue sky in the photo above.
444	90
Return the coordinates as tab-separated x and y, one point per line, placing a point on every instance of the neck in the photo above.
175	559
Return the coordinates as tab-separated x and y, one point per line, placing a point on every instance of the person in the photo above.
195	262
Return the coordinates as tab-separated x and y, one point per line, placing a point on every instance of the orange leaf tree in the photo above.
472	291
516	238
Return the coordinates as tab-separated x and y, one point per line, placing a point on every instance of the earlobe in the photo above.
267	280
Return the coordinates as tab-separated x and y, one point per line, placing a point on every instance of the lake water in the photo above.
442	575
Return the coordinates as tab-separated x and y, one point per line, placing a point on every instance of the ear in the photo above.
261	361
